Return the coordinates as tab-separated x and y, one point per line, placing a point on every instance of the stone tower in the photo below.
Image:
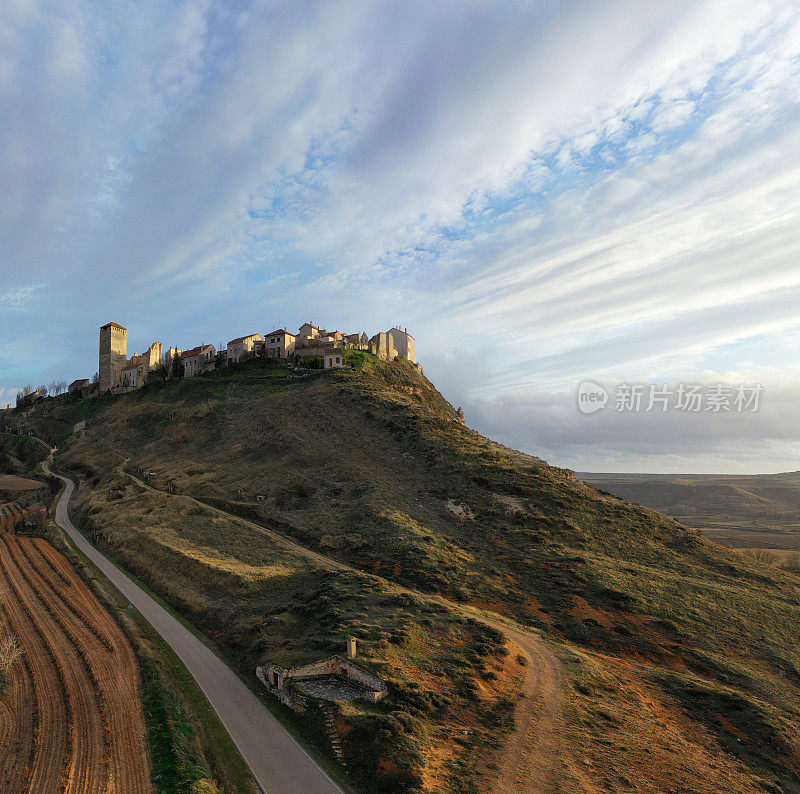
113	354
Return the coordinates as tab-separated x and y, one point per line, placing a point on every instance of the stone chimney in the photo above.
351	647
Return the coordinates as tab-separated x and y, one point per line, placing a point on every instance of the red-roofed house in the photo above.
198	359
307	334
280	343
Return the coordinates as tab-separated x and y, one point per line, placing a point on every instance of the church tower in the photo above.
113	354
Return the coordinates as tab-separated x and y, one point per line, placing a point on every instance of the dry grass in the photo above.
261	602
361	466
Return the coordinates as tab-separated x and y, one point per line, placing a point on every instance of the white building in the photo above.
333	357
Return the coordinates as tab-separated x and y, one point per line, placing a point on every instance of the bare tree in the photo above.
61	386
23	393
43	390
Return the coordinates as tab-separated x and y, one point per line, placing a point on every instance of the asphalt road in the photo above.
278	763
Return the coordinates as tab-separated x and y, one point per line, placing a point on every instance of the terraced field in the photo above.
71	719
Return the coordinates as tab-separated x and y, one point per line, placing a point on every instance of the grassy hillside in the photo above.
20	455
679	660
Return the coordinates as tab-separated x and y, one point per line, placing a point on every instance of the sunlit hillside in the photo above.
677	660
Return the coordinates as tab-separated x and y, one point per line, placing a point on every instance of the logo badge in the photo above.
592	397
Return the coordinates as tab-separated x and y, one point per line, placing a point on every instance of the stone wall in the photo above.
291	699
275	678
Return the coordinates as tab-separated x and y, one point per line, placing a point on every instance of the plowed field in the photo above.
71	719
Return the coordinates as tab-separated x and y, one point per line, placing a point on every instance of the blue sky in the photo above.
542	192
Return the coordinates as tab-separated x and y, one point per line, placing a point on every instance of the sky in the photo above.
544	193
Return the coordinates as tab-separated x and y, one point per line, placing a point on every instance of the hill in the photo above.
285	510
747	511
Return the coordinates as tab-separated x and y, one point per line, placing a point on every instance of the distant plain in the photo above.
739	511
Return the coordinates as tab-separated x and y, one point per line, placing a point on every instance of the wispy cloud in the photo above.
564	190
16	298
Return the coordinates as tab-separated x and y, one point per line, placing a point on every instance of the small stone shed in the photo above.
335	678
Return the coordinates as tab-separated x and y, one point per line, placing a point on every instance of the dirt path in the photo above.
81	730
530	759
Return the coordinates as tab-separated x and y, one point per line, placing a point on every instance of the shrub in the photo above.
763	556
792	563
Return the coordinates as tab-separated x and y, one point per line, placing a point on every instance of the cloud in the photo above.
564	190
764	440
16	298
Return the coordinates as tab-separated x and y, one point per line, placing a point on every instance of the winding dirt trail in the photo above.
530	759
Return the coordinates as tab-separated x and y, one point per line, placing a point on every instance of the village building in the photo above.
113	355
357	341
129	379
279	344
309	352
136	371
242	348
307	335
333	357
78	385
116	369
198	360
388	345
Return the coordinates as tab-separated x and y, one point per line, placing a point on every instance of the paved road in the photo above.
278	763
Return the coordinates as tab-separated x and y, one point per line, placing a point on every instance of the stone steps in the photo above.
333	737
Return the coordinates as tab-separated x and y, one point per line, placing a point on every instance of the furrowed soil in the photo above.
71	717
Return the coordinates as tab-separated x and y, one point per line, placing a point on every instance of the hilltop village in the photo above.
311	345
